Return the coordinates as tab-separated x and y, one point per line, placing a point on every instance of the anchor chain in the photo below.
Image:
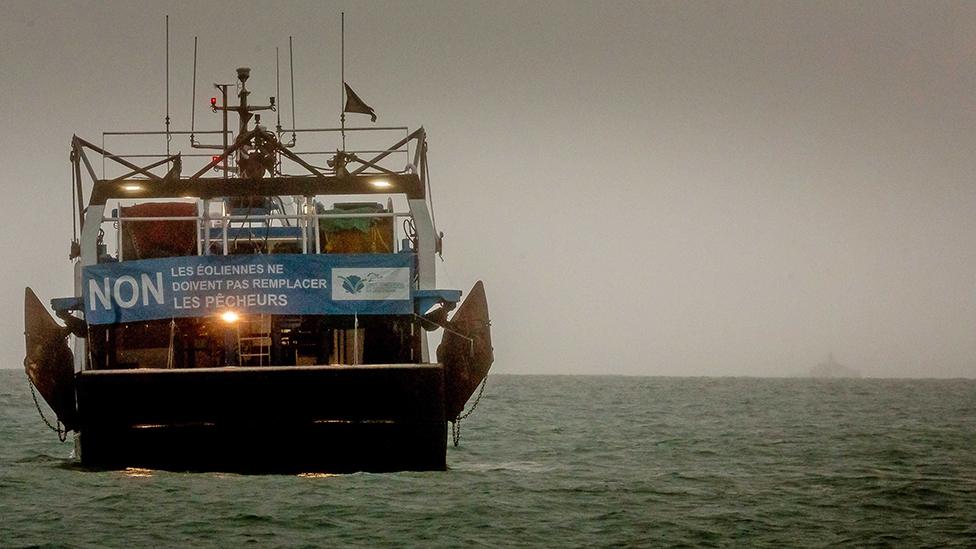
456	422
60	430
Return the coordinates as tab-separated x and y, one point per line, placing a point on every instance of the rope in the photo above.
459	334
430	200
410	231
446	329
60	430
430	194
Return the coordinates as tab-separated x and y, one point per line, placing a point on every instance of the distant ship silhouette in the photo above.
832	368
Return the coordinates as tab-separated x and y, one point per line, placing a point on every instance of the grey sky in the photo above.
646	188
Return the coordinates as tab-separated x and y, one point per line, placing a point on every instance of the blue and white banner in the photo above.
292	284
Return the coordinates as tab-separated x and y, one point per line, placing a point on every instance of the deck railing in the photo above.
306	223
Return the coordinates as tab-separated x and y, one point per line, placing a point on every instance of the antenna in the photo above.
277	164
291	62
342	56
278	87
193	98
167	87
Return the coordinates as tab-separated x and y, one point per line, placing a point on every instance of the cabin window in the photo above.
148	239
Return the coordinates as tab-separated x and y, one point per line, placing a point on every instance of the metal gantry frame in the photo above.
173	177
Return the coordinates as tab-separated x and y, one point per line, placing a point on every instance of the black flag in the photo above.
355	104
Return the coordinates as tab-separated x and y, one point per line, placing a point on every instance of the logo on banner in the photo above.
355	284
350	284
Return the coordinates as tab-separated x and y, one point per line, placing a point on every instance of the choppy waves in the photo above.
559	461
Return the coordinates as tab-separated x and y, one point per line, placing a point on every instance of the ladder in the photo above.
254	340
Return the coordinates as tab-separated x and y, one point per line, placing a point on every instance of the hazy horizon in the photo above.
653	188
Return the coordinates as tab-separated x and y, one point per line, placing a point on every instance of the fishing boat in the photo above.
263	313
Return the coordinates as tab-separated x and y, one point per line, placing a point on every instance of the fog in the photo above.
683	188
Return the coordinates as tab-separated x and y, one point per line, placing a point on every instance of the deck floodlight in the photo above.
230	317
131	187
381	183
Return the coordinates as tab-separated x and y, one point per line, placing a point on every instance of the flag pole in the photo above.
342	55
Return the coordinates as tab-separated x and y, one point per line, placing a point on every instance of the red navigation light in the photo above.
215	159
213	102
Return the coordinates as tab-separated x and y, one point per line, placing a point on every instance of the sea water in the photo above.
558	461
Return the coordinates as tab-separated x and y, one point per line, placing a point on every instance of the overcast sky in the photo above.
681	188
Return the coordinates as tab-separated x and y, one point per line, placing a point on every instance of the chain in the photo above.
477	399
60	430
456	422
456	431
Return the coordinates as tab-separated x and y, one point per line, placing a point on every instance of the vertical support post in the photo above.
206	226
307	206
223	228
121	250
229	343
223	89
76	161
201	227
74	214
79	344
318	233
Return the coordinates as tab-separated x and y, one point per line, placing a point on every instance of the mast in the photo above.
168	137
342	97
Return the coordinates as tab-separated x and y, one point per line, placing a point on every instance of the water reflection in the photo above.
137	472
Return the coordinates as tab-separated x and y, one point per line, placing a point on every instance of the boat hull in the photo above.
265	419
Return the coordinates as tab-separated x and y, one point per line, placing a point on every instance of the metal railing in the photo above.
326	151
305	222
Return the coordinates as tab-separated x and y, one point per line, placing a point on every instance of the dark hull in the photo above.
265	419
